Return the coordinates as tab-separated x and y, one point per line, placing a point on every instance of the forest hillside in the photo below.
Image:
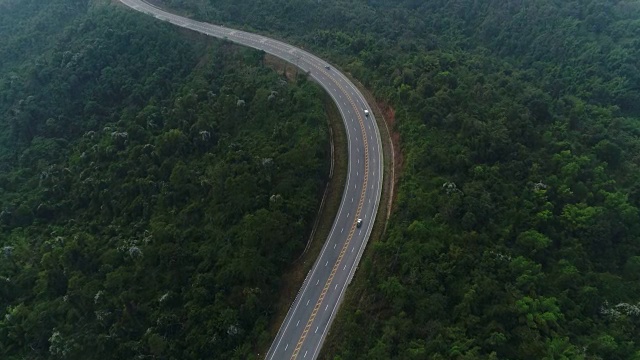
515	233
154	185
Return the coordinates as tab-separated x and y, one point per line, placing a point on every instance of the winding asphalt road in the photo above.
304	329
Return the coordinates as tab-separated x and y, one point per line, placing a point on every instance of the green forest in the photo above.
154	185
146	179
515	232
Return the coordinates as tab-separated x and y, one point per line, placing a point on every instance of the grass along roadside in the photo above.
292	280
392	163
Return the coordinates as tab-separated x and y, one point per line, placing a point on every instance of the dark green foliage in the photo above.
153	187
516	228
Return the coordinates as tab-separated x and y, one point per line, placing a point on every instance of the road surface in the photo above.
306	325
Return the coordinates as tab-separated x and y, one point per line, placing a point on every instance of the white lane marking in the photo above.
354	246
305	354
308	302
298	323
358	161
335	287
317	282
369	200
349	111
359	232
341	230
286	347
358	149
351	199
327	263
357	173
345	267
348	214
315	332
326	307
334	245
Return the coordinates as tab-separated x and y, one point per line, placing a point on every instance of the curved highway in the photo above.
304	329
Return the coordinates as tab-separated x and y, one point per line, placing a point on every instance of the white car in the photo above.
359	223
366	112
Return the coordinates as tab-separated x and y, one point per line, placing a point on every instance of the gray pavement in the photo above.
307	323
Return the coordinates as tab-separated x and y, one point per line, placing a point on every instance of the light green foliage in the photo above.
143	213
533	241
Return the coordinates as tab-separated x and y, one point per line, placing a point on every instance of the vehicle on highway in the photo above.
366	112
359	223
328	67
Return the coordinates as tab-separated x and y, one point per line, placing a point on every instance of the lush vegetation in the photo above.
515	233
153	186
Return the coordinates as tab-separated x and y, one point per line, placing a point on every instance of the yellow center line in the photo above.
307	327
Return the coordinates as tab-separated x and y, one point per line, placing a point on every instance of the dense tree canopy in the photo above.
515	233
153	186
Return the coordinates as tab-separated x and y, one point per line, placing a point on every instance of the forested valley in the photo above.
515	230
154	185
